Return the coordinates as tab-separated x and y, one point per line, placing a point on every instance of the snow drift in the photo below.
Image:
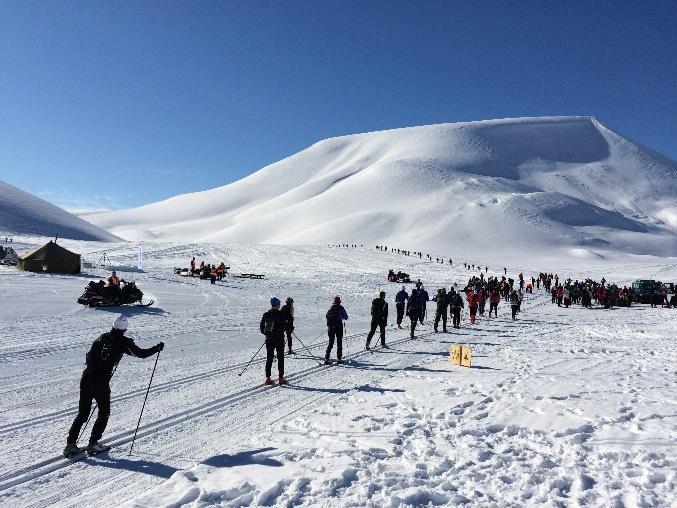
23	213
537	182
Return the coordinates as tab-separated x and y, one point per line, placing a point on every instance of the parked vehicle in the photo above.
643	289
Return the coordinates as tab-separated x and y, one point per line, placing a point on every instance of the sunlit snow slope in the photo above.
534	182
23	213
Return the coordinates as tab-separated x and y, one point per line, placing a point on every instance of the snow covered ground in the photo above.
561	407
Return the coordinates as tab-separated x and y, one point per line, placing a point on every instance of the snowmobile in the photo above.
399	277
97	294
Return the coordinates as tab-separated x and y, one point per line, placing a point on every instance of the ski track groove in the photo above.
71	412
49	465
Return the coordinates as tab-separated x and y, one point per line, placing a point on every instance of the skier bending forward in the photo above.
103	357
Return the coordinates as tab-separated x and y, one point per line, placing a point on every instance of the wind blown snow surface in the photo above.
562	407
25	214
568	182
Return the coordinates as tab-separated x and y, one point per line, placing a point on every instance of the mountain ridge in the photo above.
349	188
23	213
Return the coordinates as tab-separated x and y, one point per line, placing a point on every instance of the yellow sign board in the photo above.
460	355
455	354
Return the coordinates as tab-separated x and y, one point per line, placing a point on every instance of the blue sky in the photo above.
115	104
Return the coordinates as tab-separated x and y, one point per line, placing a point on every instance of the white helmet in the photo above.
120	323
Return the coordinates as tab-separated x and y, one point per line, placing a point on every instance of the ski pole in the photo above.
94	408
144	403
250	361
307	349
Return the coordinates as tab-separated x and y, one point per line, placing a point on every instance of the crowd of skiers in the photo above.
589	291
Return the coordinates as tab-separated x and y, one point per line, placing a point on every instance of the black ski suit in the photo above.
456	306
423	299
441	311
414	310
272	326
102	358
514	304
335	316
288	311
379	318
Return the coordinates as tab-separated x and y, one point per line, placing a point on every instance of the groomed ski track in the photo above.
246	408
199	408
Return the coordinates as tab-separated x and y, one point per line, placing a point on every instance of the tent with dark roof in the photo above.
50	258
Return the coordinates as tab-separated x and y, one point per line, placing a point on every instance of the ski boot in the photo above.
95	448
71	449
268	382
366	347
282	381
327	362
339	361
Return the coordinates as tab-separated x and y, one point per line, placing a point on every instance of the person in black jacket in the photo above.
288	311
442	301
336	315
456	304
272	325
514	303
379	318
414	309
102	358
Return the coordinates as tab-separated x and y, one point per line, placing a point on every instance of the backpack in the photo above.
101	351
333	316
377	308
268	324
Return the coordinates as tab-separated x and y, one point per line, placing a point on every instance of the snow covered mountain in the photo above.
23	213
512	184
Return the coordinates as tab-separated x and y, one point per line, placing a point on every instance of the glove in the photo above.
160	346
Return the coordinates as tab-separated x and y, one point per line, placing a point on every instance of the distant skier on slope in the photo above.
273	326
102	358
379	318
335	317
